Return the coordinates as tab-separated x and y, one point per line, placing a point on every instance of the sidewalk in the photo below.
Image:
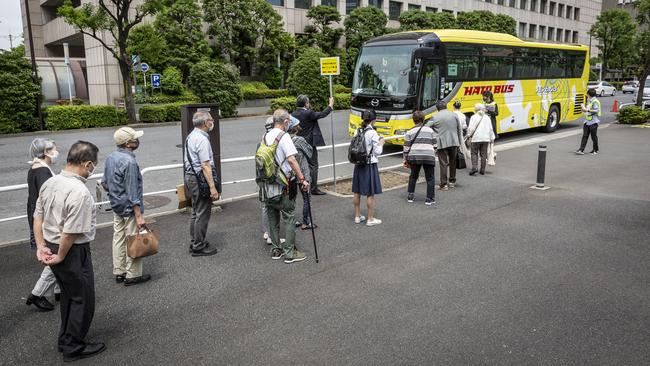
496	273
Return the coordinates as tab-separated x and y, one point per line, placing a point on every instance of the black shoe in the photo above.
40	302
136	280
57	297
482	172
473	172
91	349
120	278
203	250
318	192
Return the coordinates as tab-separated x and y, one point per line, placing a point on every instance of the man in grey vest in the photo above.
449	131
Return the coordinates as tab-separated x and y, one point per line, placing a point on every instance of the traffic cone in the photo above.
615	106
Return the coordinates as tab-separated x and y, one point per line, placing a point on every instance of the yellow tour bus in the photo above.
534	84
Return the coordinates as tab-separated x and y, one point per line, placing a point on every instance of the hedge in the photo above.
632	115
338	89
341	101
156	98
259	90
84	116
170	112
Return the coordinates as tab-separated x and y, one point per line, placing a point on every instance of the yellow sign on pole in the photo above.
330	66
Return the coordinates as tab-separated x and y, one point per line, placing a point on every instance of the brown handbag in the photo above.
143	244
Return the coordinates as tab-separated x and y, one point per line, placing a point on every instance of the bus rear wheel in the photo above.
553	120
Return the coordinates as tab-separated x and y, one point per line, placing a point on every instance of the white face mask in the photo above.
211	127
54	157
91	171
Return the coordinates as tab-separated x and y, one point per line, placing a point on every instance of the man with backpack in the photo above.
279	177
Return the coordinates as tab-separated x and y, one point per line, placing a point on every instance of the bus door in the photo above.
429	91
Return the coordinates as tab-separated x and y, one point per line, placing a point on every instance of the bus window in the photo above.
498	63
576	64
430	85
528	64
555	62
462	62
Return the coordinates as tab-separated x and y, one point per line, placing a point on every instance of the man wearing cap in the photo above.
123	182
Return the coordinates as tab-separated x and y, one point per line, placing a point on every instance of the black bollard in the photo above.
541	169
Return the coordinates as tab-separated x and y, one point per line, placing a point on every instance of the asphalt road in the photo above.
494	274
160	146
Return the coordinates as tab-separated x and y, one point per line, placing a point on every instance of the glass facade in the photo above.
351	5
302	4
329	3
394	10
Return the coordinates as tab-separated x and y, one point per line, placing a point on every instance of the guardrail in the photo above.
144	171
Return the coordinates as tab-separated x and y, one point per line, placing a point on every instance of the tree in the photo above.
305	78
216	82
172	81
18	92
117	18
322	17
483	20
418	19
223	18
147	43
363	24
179	23
615	30
643	19
267	37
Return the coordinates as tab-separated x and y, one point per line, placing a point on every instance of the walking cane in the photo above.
311	223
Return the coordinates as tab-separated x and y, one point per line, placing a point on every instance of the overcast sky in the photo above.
10	22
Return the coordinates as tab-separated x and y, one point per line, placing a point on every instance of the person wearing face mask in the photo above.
64	225
123	182
198	159
44	154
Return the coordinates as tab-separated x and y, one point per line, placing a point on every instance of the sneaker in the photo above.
580	152
277	254
444	188
359	219
429	202
298	256
473	172
410	198
137	280
267	238
452	185
594	153
373	222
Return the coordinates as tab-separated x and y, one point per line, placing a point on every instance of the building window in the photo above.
501	2
415	7
512	3
551	33
560	10
558	35
447	11
567	36
276	2
551	8
432	10
394	10
332	3
533	5
569	12
302	4
351	5
532	31
523	4
522	29
576	14
542	6
375	3
542	32
575	37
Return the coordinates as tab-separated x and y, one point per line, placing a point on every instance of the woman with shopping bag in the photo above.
480	135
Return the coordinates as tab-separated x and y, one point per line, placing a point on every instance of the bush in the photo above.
75	101
617	84
219	83
273	78
259	90
18	92
304	78
632	115
338	88
172	81
288	103
342	101
186	96
84	116
161	113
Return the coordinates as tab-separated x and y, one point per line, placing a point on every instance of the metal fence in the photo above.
144	171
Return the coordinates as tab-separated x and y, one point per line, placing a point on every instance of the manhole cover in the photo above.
152	202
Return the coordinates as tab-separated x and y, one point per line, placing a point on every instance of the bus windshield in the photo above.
383	70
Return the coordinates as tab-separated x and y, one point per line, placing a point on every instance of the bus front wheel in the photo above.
553	120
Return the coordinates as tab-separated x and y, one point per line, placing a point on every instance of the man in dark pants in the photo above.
312	133
449	131
199	160
64	226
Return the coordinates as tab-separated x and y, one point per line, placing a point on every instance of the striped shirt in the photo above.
420	150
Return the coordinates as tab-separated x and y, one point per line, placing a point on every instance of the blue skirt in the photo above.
365	180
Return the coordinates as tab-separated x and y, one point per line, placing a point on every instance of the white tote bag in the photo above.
491	155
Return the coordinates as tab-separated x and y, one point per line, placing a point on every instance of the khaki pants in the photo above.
122	263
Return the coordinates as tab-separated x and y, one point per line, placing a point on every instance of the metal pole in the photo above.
33	59
66	59
541	167
144	77
332	128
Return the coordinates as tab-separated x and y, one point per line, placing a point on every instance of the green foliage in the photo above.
287	103
146	42
363	24
320	31
418	19
84	116
338	89
273	77
616	31
345	76
215	82
484	20
18	92
187	97
172	81
259	90
342	101
161	113
179	23
304	78
75	101
632	115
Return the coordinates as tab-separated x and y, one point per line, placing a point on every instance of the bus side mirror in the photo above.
413	76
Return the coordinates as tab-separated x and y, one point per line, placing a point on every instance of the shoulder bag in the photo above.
204	188
406	156
468	138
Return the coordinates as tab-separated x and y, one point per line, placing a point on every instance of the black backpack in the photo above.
357	152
